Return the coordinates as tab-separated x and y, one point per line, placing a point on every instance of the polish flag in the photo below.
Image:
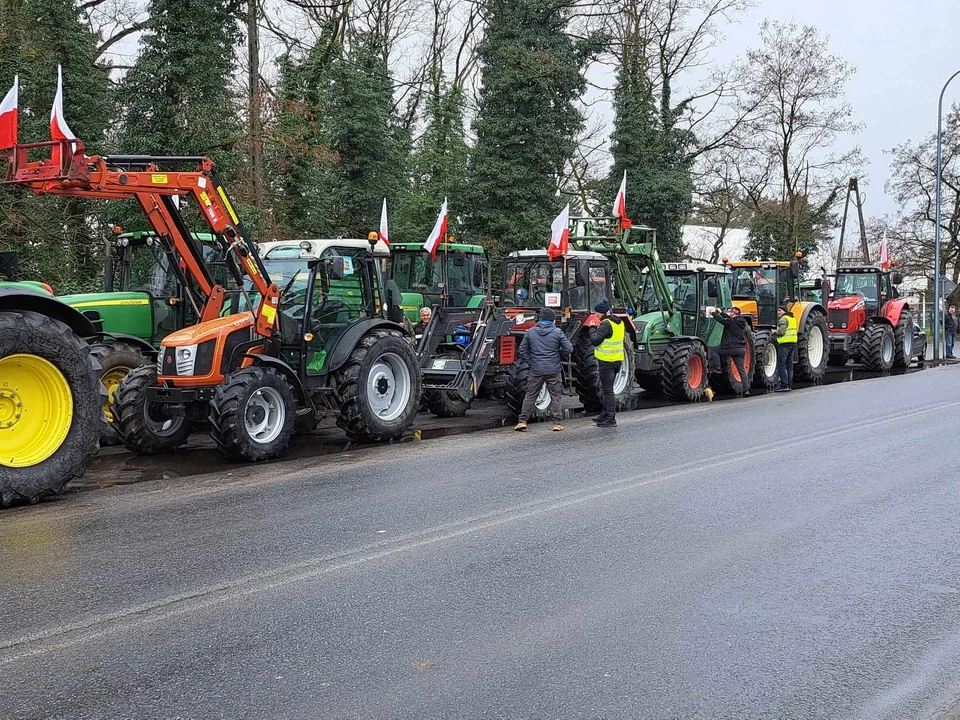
8	116
59	130
884	253
559	235
384	235
438	232
620	203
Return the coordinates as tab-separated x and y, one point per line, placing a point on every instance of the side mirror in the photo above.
458	258
712	287
394	297
896	279
336	267
795	268
818	284
8	265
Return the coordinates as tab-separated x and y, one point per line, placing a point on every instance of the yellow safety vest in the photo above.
791	336
611	349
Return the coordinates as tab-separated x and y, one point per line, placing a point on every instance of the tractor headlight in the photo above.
185	359
844	326
831	326
184	354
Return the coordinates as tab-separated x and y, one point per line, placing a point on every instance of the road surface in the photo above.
787	556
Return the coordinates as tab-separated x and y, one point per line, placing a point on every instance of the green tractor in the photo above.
458	277
671	329
50	394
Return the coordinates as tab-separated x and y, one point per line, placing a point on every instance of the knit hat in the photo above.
602	307
547	315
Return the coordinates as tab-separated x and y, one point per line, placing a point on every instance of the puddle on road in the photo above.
115	466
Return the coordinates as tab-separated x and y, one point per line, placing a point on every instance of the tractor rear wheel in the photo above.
252	414
51	405
683	376
378	388
586	373
903	340
625	382
143	426
116	361
812	348
518	374
877	347
729	380
765	365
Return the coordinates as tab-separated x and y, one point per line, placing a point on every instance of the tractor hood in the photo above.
846	303
651	327
209	330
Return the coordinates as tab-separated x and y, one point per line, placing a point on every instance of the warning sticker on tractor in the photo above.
269	313
158	179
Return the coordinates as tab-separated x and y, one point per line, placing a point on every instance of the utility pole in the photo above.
936	244
253	78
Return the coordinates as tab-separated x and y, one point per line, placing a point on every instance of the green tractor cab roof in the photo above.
453	247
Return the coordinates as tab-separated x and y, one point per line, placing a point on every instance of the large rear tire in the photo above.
729	380
378	388
116	361
142	425
586	373
516	389
813	348
765	360
684	371
903	340
877	348
51	406
252	414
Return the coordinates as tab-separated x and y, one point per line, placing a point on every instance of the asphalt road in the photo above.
786	556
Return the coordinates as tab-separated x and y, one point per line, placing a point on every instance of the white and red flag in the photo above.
59	130
383	234
884	252
438	232
620	203
559	234
8	116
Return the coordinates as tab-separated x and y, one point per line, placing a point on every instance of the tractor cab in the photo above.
457	278
759	287
571	285
698	288
871	285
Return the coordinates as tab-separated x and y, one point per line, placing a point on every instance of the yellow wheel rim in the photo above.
36	410
111	381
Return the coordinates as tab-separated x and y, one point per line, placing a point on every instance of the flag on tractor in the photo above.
620	203
8	116
384	235
559	234
438	232
59	130
884	253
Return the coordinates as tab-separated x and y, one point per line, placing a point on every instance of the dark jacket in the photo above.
951	323
734	331
604	330
542	347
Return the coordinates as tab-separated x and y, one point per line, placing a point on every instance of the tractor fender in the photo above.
892	310
12	299
138	342
879	320
348	341
285	370
808	307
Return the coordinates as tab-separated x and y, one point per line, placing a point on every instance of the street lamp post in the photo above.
936	243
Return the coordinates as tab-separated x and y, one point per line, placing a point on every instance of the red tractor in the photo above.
867	320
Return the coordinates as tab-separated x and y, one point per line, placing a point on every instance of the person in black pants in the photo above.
606	335
951	326
733	344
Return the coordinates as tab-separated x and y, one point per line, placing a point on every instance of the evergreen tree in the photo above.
526	123
58	239
652	151
776	233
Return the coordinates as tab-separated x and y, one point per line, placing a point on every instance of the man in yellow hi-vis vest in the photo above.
606	334
786	344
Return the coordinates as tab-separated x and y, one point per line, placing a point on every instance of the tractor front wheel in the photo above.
684	371
378	388
812	348
116	361
145	427
252	414
51	404
765	365
877	348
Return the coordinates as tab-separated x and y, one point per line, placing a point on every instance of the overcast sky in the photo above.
903	52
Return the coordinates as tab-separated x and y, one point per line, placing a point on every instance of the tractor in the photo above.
758	289
457	277
50	392
868	321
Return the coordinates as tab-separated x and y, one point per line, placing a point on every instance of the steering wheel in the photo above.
540	296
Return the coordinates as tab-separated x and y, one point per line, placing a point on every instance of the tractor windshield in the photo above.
865	285
415	272
527	283
750	282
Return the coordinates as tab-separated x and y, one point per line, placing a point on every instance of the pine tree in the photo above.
526	123
57	238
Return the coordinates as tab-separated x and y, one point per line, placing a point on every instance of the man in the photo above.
425	314
733	344
606	335
541	349
951	325
786	344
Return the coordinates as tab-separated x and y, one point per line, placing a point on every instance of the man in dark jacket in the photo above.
733	344
541	349
951	326
606	335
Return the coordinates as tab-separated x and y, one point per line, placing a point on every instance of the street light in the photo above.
936	242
